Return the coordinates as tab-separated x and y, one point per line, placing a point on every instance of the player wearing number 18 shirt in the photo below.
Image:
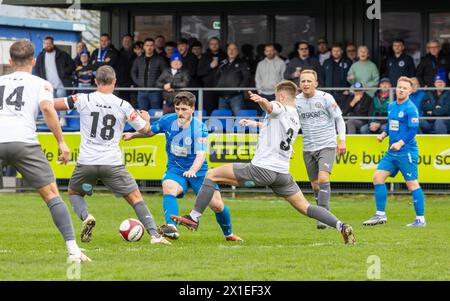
270	165
102	118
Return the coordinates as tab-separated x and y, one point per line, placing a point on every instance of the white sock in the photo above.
339	226
421	218
72	247
195	215
380	213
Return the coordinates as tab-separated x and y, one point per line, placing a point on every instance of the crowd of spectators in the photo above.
170	66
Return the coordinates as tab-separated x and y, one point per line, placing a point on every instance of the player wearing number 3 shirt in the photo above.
102	119
270	165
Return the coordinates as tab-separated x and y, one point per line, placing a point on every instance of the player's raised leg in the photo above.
299	202
381	194
223	217
223	174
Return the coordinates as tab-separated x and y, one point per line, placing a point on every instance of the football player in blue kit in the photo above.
403	155
186	143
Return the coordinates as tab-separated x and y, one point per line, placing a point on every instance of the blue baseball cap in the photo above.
440	76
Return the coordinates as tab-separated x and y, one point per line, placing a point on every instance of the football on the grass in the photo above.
131	230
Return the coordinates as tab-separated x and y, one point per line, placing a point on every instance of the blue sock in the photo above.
418	201
381	194
224	220
170	205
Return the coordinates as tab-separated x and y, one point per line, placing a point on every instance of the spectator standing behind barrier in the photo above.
323	52
350	52
168	50
190	63
303	61
106	54
233	72
359	105
145	71
431	64
197	49
417	95
172	79
124	63
79	48
335	74
364	71
399	64
269	73
56	66
207	69
160	44
138	48
436	103
84	76
379	107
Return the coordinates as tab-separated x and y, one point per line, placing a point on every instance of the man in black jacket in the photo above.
124	63
303	61
233	72
105	55
399	64
145	71
335	71
358	105
190	62
56	66
206	71
433	63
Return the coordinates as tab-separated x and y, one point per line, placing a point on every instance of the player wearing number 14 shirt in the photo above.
269	166
102	118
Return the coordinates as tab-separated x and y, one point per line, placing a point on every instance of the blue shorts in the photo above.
407	165
176	175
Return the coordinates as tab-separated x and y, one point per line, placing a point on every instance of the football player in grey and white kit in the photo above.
319	113
102	118
22	96
269	166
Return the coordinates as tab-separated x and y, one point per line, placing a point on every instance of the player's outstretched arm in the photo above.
52	121
262	102
248	122
60	104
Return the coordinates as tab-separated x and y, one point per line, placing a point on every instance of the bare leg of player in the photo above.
143	213
61	218
299	202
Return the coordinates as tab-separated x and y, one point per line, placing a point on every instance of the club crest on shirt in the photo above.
401	114
187	141
318	105
401	63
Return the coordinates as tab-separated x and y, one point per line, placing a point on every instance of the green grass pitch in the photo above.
280	244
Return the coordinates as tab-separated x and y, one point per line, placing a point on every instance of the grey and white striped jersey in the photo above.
317	116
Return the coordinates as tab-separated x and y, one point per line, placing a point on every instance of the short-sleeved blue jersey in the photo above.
402	118
182	144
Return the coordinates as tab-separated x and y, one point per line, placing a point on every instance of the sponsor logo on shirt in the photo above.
134	115
202	140
310	115
414	120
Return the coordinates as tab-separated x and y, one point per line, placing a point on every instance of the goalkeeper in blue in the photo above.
186	144
403	155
